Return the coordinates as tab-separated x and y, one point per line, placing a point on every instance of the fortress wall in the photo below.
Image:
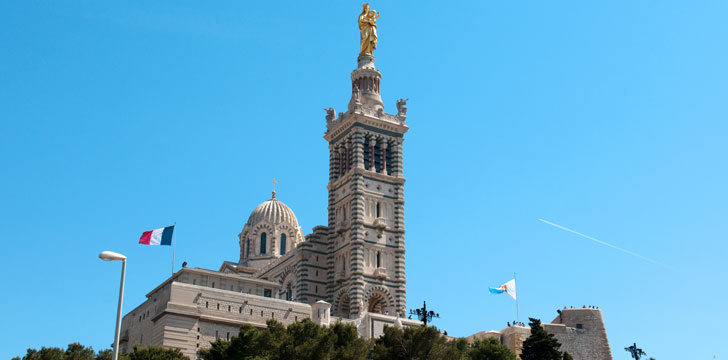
581	333
484	335
223	306
221	281
189	317
514	336
179	332
211	331
137	326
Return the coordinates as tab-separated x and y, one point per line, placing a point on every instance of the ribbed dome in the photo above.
274	212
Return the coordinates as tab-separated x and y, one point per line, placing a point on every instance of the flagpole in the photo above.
514	280
173	245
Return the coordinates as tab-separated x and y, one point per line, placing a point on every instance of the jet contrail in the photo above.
601	242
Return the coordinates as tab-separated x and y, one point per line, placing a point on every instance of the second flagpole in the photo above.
516	282
174	233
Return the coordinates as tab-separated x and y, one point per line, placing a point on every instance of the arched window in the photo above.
263	236
379	259
283	244
289	293
388	157
378	209
342	164
367	154
378	157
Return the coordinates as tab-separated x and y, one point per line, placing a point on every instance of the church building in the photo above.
351	270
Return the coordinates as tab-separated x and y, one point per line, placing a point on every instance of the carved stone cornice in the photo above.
368	117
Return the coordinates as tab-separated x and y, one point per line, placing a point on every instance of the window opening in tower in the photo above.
262	242
378	157
283	244
388	157
367	155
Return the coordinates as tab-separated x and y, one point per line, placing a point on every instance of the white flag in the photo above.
510	288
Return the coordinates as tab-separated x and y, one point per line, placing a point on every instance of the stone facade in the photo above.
195	307
366	202
581	333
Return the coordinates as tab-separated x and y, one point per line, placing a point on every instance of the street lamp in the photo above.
424	315
110	256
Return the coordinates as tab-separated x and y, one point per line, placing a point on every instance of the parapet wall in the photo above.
189	317
581	333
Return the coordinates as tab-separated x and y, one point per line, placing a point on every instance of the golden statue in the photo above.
368	29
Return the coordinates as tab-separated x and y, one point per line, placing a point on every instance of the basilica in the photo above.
351	270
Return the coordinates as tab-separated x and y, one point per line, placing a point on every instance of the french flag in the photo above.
161	236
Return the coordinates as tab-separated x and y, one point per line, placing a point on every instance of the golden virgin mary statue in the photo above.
368	29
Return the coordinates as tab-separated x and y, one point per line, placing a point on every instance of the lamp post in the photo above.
424	315
635	351
111	256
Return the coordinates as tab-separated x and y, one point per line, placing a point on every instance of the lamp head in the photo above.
110	255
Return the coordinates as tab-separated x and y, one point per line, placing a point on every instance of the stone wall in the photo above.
581	333
189	317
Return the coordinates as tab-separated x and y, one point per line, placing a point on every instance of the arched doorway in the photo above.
288	285
343	306
378	303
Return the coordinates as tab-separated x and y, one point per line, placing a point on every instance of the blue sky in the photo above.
608	118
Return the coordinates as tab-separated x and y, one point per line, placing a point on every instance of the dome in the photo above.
273	212
272	231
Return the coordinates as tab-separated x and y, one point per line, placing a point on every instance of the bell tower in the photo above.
366	267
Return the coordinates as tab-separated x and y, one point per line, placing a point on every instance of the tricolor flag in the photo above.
508	288
161	236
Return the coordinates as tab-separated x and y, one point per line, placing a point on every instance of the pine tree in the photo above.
75	351
490	349
541	345
154	352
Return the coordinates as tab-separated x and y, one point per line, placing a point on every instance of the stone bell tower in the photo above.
366	197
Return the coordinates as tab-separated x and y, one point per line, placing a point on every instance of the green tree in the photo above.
154	353
243	347
567	356
106	354
74	351
52	353
490	349
306	341
347	344
541	345
422	343
301	340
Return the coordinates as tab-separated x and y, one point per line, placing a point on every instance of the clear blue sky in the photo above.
605	117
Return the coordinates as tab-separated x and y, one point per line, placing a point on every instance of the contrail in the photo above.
602	242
